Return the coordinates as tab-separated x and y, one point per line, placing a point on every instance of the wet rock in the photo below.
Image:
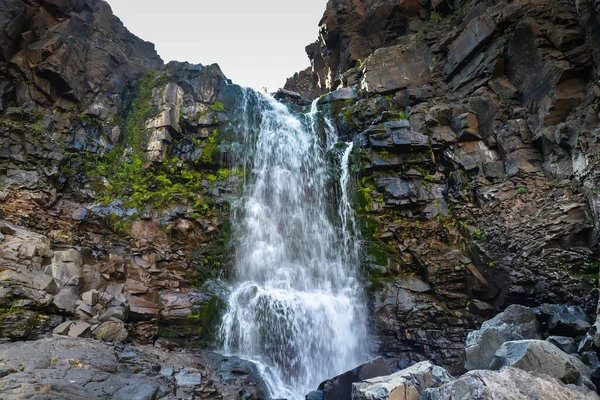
508	383
315	395
236	373
407	384
340	387
111	331
287	95
515	323
542	357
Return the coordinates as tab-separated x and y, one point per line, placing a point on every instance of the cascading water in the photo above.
295	308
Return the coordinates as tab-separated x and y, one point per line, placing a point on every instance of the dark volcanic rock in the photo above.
505	384
516	322
340	387
541	357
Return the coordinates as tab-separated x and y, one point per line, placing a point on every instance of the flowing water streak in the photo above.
296	308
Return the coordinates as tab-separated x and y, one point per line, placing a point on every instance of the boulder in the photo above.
340	387
141	309
407	384
119	313
18	324
506	384
63	328
91	297
565	320
540	357
79	329
111	331
66	267
515	323
66	300
466	126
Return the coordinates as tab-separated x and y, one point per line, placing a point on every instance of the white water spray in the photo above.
296	307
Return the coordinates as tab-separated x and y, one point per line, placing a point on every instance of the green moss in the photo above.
209	259
217	106
436	17
210	148
403	115
124	173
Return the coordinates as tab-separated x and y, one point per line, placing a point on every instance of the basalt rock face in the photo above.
114	200
475	125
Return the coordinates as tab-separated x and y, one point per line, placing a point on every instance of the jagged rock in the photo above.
566	344
390	69
63	328
91	297
340	387
466	127
66	267
141	310
94	370
84	309
119	313
564	319
542	357
406	384
203	82
79	329
515	323
287	95
111	331
18	324
506	384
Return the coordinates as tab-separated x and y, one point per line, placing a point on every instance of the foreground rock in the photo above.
542	357
506	384
74	369
515	323
407	384
340	387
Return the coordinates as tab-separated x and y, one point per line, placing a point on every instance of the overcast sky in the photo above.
257	43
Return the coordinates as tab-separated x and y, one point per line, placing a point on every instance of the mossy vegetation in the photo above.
124	173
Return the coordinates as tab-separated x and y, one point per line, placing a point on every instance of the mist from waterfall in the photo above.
296	306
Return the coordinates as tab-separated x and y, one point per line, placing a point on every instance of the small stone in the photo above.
80	329
6	229
91	297
86	309
79	214
63	329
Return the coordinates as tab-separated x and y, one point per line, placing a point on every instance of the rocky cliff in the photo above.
114	206
477	123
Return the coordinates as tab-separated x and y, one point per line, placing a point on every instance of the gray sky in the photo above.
256	43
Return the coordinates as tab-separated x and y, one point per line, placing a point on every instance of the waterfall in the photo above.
295	308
